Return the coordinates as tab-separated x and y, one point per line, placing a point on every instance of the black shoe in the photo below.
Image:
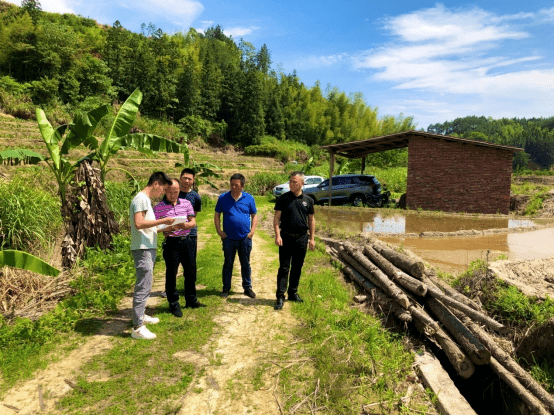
194	305
176	311
295	298
279	304
224	294
250	293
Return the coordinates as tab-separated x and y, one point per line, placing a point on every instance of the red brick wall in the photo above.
456	177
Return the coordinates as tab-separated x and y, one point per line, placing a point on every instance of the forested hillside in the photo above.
534	135
207	83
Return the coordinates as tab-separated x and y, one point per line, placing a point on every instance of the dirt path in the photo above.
232	365
236	379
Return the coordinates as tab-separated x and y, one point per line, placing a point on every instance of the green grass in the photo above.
30	215
142	377
535	204
354	360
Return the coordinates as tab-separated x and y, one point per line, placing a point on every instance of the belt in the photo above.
176	239
293	235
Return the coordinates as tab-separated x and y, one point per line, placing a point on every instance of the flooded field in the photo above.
450	254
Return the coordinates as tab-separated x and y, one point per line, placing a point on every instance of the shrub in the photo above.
261	183
29	214
119	196
282	150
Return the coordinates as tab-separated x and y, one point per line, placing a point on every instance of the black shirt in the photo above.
294	212
196	202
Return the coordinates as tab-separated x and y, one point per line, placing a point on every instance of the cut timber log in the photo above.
462	364
404	280
377	277
453	293
475	350
385	303
534	404
472	313
508	362
402	261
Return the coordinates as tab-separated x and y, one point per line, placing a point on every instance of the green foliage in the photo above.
26	261
536	202
534	135
119	196
517	307
283	150
262	183
30	216
104	280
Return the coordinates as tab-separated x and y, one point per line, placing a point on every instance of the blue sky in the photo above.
433	61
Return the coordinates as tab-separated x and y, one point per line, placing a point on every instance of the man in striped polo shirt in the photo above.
178	248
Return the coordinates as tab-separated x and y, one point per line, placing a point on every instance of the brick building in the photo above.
445	173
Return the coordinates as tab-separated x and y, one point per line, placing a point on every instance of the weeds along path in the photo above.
237	378
40	394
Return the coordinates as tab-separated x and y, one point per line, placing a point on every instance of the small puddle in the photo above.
450	254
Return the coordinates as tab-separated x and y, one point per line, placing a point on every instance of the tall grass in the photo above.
29	215
263	183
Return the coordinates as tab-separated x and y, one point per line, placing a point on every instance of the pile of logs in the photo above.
400	284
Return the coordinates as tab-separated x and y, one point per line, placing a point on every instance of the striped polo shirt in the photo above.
182	208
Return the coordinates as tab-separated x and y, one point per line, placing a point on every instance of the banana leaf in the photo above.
17	156
80	131
147	143
26	261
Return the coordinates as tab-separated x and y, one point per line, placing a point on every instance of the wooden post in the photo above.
363	164
331	170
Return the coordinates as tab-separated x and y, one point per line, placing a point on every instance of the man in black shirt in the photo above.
294	216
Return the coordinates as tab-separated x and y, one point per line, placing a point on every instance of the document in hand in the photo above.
178	220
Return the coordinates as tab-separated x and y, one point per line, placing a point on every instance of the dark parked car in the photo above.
353	188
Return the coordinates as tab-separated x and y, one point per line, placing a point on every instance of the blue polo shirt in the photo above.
236	214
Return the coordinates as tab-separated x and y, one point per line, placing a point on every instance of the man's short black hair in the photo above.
160	177
240	177
189	171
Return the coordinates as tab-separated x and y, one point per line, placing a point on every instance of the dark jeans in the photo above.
291	259
230	248
177	251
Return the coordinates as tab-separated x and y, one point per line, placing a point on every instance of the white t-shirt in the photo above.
147	238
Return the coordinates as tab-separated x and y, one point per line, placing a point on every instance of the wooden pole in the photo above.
462	364
475	350
408	282
402	261
377	277
535	405
363	164
472	313
508	362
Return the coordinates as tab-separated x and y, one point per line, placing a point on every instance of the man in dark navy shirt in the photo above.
294	216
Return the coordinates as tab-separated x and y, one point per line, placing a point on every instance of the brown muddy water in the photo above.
449	254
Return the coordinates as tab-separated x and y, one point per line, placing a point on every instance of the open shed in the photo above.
444	173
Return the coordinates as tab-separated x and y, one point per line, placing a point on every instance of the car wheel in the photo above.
358	200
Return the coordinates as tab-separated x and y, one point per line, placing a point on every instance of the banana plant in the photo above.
26	261
204	171
118	137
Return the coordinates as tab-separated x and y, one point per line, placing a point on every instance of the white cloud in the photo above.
53	6
238	31
547	14
440	51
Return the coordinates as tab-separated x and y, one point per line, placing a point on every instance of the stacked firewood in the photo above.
400	284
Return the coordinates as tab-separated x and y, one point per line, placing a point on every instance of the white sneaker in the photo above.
142	333
149	320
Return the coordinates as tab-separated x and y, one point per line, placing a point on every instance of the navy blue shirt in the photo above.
196	202
236	214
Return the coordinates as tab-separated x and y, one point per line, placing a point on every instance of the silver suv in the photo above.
353	188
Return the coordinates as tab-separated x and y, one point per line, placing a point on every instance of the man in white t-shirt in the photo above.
144	240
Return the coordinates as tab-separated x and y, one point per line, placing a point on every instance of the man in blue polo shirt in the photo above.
239	224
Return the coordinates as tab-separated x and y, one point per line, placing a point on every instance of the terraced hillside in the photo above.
16	133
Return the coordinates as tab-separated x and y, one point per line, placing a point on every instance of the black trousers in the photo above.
175	252
291	259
